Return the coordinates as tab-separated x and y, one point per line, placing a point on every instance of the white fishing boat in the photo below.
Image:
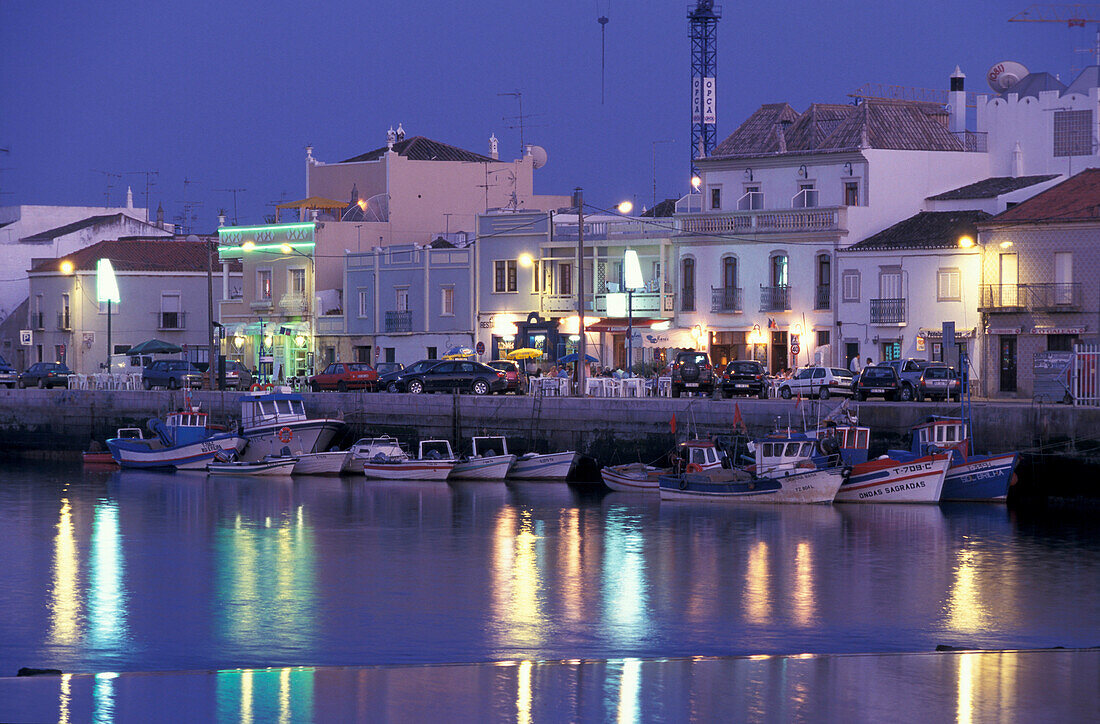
272	466
322	463
434	462
898	477
275	419
691	456
369	447
489	460
549	466
184	440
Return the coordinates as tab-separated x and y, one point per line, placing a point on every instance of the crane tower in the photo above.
704	70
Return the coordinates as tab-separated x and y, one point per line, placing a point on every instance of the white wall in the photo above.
1030	121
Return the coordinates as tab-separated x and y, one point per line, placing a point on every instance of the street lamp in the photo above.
106	290
632	279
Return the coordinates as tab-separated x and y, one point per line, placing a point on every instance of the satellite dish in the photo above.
538	156
1004	75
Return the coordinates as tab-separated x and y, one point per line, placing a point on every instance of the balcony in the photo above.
833	218
330	324
751	201
725	299
687	300
1012	298
824	297
397	322
804	199
294	304
64	323
654	303
261	305
172	320
775	299
888	311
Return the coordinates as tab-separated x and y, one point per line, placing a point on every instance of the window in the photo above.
504	276
889	285
851	193
729	272
296	281
806	197
891	351
65	321
1072	133
937	352
822	337
447	305
716	198
362	353
402	300
753	200
263	284
687	285
432	353
947	284
565	279
1061	342
170	314
1063	277
364	304
779	270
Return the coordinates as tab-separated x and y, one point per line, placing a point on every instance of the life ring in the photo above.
694	468
683	483
255	386
286	434
269	387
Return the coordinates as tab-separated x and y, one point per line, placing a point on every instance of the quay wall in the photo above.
61	422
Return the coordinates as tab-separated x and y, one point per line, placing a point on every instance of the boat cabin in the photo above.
785	452
271	408
487	447
940	433
129	433
183	427
435	450
386	446
853	440
703	453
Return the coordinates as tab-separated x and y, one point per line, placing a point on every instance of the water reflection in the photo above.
64	597
107	597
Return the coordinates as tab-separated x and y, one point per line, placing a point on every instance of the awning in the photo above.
313	202
668	339
938	333
621	324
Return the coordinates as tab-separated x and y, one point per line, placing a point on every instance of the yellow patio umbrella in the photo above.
525	353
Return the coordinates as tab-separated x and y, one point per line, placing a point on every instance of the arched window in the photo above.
687	285
824	281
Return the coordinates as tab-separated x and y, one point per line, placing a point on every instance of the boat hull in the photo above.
306	436
495	467
553	466
269	468
980	478
632	478
409	470
322	463
813	486
894	481
191	456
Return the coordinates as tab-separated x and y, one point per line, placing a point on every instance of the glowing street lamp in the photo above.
106	290
625	207
966	242
526	260
632	279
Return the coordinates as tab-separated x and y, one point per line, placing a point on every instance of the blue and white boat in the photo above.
970	477
184	440
489	459
272	420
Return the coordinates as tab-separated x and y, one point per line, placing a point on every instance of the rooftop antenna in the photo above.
234	192
602	20
5	168
273	218
148	182
521	119
107	175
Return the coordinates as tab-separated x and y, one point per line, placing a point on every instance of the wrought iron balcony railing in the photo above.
888	311
824	297
1047	297
398	322
172	320
725	299
775	299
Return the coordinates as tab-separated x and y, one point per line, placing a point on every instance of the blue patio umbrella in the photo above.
458	353
573	357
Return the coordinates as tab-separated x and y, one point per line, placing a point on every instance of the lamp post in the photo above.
106	290
582	352
632	279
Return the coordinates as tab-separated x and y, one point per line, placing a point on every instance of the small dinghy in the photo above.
269	465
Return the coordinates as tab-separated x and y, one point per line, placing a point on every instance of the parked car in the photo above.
514	375
692	372
395	381
821	382
938	380
877	381
8	375
909	370
457	376
385	368
344	376
171	373
45	374
744	377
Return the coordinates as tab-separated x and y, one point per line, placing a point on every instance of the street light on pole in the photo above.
632	279
106	290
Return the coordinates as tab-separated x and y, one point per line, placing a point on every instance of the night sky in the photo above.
228	94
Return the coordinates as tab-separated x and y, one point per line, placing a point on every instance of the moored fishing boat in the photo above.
273	466
489	459
434	462
970	477
368	447
322	463
691	456
544	466
183	441
275	419
891	478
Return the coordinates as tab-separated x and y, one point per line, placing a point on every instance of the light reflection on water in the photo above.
142	571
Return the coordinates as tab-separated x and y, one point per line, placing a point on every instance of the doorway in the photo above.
779	352
1008	363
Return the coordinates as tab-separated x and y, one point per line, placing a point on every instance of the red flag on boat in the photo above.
672	423
738	421
797	401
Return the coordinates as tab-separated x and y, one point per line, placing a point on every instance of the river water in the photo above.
138	571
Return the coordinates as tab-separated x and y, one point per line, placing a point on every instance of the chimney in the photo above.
400	132
160	216
956	102
391	136
129	197
494	149
1017	160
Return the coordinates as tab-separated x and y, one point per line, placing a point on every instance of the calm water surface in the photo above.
138	571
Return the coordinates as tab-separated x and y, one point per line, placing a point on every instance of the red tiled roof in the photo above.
138	255
1075	199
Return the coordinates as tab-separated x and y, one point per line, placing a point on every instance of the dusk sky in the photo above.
228	94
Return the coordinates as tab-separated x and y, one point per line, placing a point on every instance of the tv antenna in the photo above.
234	192
107	175
148	183
521	119
603	20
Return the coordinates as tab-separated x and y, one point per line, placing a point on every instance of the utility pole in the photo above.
582	352
210	356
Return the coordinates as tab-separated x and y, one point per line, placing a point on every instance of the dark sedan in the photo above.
395	381
457	376
877	381
45	374
744	377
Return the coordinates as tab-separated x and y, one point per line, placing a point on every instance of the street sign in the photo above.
795	349
480	348
25	337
